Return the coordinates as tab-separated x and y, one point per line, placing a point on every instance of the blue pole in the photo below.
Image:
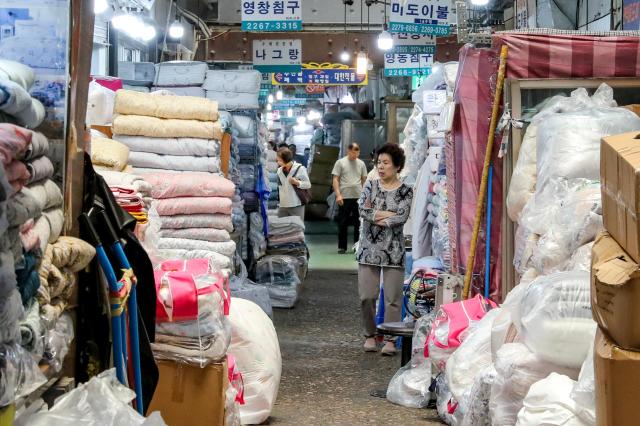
487	254
116	327
133	325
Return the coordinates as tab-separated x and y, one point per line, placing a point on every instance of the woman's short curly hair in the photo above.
395	152
285	154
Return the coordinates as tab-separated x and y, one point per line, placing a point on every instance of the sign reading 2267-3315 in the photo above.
429	17
271	15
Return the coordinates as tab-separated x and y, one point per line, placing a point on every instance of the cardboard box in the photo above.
617	374
635	108
190	395
620	178
615	292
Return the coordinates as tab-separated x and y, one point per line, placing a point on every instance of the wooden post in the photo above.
225	153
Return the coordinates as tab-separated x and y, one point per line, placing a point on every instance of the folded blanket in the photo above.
72	253
216	260
179	107
171	146
17	174
289	237
16	101
39	169
38	147
193	91
150	160
31	332
238	81
27	276
30	240
189	185
227	248
180	73
199	351
48	227
126	180
11	312
182	221
136	125
232	101
18	73
205	234
285	224
14	141
193	205
46	193
109	154
22	207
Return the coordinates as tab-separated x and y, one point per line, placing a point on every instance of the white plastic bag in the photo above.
100	104
476	410
583	392
523	180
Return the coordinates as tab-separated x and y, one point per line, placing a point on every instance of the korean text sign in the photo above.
277	55
271	15
401	64
429	17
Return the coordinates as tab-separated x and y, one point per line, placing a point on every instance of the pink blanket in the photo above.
290	237
17	174
193	205
172	185
14	141
30	239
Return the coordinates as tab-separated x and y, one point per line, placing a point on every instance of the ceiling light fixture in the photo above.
385	41
479	2
279	95
289	113
362	63
100	6
269	107
176	30
270	98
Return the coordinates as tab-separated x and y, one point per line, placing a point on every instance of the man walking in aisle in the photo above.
349	174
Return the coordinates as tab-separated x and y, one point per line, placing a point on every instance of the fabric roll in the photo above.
216	221
16	101
189	185
205	234
126	180
171	146
193	205
48	227
18	73
17	175
38	147
155	105
22	207
136	125
14	141
31	332
47	194
11	311
109	154
27	277
149	160
39	169
30	240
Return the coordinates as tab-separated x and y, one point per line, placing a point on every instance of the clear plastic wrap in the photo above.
280	274
583	393
554	317
200	341
476	410
11	312
19	373
517	368
242	287
255	347
447	409
523	180
101	401
473	355
580	260
57	342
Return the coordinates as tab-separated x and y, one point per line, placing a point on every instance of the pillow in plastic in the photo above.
554	317
254	344
523	180
232	101
237	81
180	73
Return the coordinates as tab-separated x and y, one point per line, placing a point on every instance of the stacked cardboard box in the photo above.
615	283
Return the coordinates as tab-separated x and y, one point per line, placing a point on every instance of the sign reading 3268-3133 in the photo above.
271	15
429	17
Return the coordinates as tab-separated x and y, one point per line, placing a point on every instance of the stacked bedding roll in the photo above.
233	90
183	78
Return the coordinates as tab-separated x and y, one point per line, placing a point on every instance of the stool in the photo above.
401	329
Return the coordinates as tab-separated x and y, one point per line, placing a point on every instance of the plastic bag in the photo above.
279	273
446	407
476	410
517	368
11	312
100	103
19	373
254	345
583	393
548	403
101	401
554	317
57	342
523	179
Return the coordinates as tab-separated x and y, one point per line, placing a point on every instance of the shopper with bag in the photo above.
384	208
294	186
349	174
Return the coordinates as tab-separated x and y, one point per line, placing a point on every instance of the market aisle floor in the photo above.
326	377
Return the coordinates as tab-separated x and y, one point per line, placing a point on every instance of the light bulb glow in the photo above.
269	107
479	2
176	30
301	120
124	22
289	113
362	63
279	95
148	32
100	6
344	56
385	41
270	99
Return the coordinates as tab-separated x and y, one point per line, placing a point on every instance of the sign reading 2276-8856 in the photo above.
429	17
271	15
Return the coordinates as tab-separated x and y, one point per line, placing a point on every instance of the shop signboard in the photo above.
321	77
265	80
416	81
631	15
429	17
277	55
271	15
404	65
302	95
413	43
288	103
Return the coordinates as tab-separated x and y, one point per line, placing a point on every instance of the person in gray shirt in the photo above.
349	174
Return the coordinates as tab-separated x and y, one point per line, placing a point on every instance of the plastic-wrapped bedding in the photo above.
517	369
237	81
476	405
254	345
195	91
523	181
180	73
583	393
19	373
554	317
280	274
232	101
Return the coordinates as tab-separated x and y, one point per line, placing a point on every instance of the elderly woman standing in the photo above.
384	208
290	174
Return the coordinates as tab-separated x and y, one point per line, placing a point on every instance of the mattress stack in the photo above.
16	104
174	146
182	78
233	89
137	76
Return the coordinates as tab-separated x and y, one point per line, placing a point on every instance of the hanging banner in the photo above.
277	55
430	17
272	15
413	43
403	65
631	15
321	77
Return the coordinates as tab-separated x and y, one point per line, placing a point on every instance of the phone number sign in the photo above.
428	17
271	15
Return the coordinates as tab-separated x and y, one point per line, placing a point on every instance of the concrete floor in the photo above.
327	377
